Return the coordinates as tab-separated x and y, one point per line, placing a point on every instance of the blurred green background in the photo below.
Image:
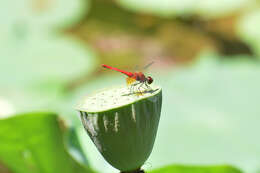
206	55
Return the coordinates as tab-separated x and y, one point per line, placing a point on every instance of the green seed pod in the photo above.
123	126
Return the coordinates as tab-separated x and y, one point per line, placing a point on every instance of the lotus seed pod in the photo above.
122	126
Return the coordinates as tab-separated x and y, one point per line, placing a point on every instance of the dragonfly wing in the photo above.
148	65
130	80
136	68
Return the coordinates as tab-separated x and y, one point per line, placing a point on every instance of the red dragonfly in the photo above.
134	76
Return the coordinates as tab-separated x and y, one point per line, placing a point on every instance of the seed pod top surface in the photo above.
113	98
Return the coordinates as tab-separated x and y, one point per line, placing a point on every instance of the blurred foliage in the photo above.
36	69
196	169
33	143
30	16
167	8
52	54
37	61
123	34
210	114
144	36
248	28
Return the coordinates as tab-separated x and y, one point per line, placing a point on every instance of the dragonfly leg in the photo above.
143	86
148	86
134	85
140	86
139	89
131	88
134	88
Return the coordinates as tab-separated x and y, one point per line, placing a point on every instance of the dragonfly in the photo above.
134	78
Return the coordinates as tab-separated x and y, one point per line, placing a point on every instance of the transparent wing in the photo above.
136	68
148	65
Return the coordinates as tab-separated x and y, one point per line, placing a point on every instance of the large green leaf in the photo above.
40	15
248	29
44	58
6	108
33	143
206	9
210	114
196	169
34	71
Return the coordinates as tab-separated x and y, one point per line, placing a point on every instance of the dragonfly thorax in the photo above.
139	76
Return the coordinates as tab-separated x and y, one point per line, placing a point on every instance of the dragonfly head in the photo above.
149	80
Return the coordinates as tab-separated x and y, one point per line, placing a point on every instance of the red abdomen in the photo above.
129	74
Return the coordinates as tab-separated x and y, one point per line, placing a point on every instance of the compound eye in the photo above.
150	80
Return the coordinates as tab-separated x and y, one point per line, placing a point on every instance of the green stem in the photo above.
135	171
